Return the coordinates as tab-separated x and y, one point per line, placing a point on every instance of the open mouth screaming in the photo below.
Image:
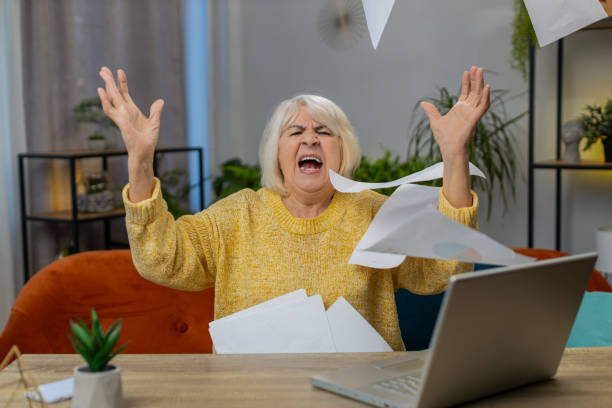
310	163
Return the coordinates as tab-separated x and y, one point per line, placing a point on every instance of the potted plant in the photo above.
98	384
96	141
492	148
597	124
90	111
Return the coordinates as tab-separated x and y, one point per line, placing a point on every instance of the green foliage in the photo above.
597	123
235	176
96	136
388	168
492	148
90	110
93	344
522	35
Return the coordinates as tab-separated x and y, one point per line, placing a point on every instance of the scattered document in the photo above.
377	14
409	224
351	332
555	19
55	391
296	323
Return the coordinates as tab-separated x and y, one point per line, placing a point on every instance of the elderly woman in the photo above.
296	231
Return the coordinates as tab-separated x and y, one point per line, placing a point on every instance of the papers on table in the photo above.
377	14
409	224
296	323
55	391
554	19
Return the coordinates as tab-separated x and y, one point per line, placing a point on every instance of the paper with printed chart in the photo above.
409	224
377	14
295	323
555	19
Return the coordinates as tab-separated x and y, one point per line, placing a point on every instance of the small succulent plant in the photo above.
93	344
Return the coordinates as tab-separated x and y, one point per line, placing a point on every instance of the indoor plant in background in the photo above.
492	147
98	384
522	35
597	124
90	111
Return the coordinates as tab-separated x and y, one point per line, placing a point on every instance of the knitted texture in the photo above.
252	249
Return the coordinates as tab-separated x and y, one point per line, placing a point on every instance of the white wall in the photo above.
271	50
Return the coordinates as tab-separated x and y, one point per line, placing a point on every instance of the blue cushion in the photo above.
417	315
593	325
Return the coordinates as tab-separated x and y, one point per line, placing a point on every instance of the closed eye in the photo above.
296	133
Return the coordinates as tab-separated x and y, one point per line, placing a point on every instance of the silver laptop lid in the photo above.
503	328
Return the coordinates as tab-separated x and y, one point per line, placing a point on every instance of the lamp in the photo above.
604	250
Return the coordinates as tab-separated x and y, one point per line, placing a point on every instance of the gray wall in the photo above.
264	51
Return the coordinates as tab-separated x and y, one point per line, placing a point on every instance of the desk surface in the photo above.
584	379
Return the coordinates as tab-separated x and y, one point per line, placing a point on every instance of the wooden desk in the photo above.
584	379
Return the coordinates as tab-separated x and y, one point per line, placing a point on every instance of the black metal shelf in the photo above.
72	216
557	165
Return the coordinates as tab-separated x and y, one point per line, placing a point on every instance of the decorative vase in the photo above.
96	144
571	133
100	389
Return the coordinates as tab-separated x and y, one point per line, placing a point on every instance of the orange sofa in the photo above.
155	319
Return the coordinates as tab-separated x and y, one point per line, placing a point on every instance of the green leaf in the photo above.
83	336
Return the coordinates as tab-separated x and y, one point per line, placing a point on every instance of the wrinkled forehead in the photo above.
321	115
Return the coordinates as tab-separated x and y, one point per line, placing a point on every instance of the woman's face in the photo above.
306	151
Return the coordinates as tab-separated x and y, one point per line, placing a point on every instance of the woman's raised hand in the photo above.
140	133
454	130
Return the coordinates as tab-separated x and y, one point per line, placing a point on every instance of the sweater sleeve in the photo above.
177	254
429	276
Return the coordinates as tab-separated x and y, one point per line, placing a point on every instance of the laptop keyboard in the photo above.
405	385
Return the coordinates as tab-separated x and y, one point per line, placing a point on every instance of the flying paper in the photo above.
409	224
555	19
377	14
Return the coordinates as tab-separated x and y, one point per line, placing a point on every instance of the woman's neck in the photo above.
308	205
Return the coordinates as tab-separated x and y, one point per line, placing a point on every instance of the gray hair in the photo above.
323	111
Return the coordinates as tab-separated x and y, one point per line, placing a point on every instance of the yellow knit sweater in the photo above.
252	249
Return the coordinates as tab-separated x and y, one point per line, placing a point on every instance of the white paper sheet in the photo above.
432	172
288	298
299	327
409	224
554	19
351	332
377	14
55	391
412	226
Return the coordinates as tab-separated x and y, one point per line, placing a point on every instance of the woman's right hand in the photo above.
140	133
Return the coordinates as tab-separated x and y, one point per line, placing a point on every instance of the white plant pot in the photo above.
97	389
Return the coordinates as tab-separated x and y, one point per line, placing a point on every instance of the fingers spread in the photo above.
123	86
486	98
431	111
465	86
111	88
106	104
156	110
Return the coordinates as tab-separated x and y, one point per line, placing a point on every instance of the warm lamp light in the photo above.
604	250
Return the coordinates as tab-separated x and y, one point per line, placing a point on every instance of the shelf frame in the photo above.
72	216
556	165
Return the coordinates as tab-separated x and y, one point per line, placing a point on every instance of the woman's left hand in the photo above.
453	132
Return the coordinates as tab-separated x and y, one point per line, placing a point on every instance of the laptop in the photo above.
497	329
